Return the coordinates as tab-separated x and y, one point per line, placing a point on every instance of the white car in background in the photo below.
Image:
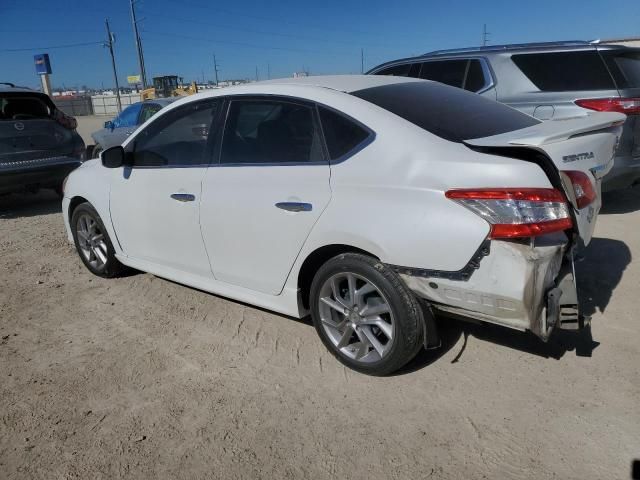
369	202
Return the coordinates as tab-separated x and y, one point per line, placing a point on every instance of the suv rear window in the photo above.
22	107
448	112
565	71
624	66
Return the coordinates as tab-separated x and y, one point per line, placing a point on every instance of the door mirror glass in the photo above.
113	157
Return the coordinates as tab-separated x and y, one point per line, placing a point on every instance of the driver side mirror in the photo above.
109	124
113	157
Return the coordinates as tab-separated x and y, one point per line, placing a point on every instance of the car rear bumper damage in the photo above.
524	286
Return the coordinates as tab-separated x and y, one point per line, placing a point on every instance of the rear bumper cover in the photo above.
50	172
522	286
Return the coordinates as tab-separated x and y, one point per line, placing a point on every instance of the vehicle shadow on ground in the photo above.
19	205
621	201
605	261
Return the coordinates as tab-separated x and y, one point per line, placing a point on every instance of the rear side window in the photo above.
450	113
565	71
177	139
475	79
268	131
449	72
625	67
342	134
23	107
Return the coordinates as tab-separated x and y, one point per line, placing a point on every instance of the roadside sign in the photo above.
133	79
43	66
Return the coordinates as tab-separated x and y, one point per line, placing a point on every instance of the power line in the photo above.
51	47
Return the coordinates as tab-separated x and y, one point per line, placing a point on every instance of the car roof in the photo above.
341	83
507	48
10	87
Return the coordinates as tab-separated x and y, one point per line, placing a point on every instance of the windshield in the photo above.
22	107
448	112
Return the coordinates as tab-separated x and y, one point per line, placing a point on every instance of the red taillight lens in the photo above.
629	106
517	212
65	120
583	189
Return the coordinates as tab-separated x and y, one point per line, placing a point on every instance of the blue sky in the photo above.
181	36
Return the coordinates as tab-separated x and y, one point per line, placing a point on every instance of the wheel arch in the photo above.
73	204
315	260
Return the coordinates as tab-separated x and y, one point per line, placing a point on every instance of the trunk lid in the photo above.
584	144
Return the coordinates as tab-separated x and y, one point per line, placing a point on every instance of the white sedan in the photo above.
368	202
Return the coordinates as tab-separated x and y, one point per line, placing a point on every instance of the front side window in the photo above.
270	131
148	111
128	117
396	70
342	134
565	71
178	138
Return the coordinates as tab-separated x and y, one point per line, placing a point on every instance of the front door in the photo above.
155	202
261	200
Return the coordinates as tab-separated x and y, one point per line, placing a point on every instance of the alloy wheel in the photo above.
356	317
91	241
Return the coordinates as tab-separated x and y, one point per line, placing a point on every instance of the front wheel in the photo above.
93	243
365	315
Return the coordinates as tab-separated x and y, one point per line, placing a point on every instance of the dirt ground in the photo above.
139	377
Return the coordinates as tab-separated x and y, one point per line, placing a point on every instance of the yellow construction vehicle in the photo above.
168	86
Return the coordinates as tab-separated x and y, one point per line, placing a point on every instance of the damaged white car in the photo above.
368	202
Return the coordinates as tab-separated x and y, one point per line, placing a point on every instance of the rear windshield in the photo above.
22	106
624	66
448	112
565	71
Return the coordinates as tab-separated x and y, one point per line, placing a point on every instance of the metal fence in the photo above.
108	104
74	106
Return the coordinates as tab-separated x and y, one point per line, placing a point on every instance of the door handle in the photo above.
295	206
183	197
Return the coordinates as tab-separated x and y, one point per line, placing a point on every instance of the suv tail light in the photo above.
582	188
517	212
65	120
630	106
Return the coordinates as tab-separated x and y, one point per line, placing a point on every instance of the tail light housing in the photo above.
583	190
629	106
517	212
65	120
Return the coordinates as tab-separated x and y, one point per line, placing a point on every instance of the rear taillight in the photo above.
583	190
517	212
65	120
629	106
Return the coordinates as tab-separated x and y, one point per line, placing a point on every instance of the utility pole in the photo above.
110	39
257	73
215	68
362	61
485	36
268	72
143	73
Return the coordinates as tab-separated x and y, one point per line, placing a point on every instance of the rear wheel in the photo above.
93	243
365	314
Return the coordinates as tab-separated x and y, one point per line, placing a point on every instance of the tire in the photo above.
96	253
379	310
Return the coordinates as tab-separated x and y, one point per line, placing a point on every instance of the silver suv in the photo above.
547	80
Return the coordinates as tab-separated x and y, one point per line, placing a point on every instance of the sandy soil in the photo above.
139	377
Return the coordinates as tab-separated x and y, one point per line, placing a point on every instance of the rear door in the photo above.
261	200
